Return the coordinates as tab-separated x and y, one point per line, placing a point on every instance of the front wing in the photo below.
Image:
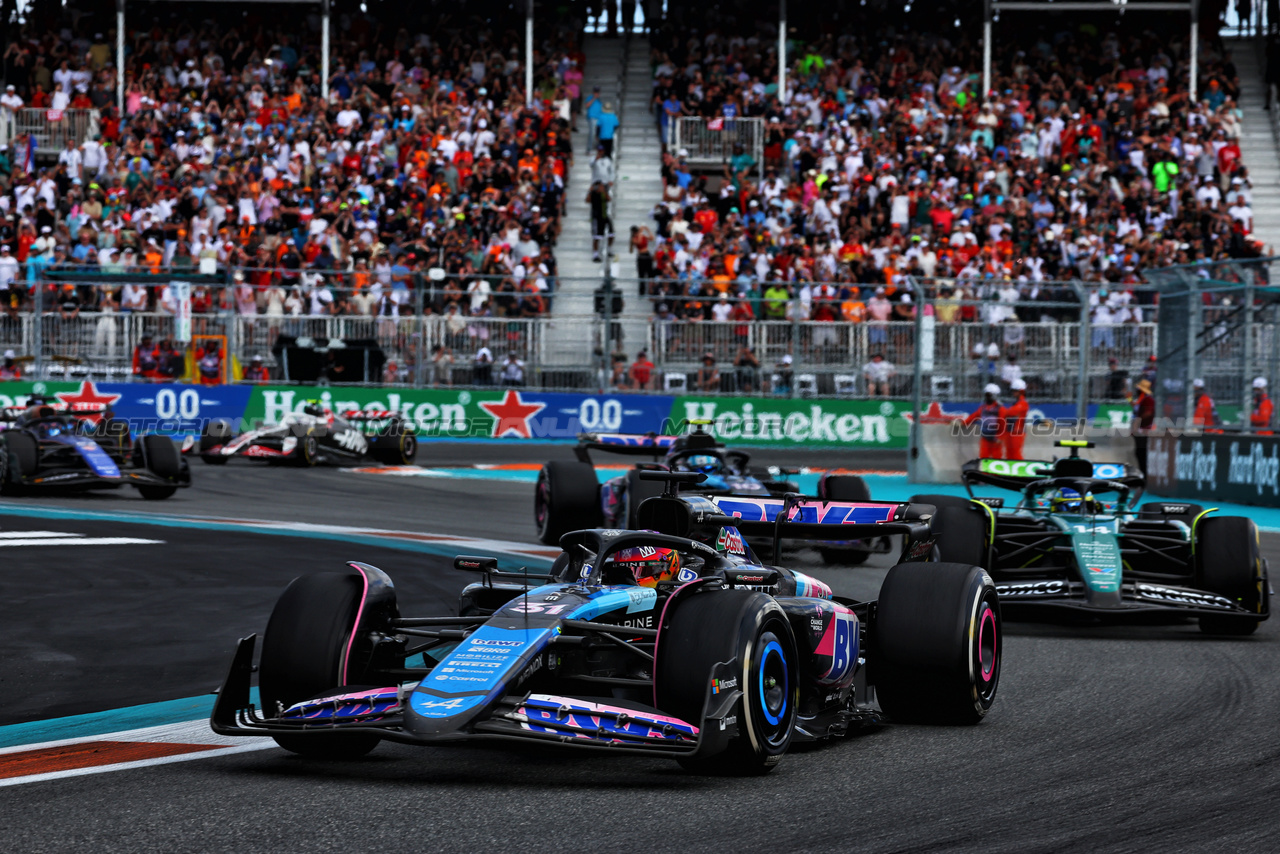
531	717
1139	600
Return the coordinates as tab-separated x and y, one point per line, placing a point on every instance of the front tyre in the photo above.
937	642
1231	565
160	457
308	453
304	654
751	630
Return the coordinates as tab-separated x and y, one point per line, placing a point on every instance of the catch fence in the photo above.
948	338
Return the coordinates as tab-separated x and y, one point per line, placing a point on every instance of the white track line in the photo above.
79	541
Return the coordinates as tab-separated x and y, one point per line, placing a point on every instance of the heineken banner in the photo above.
502	413
785	422
1216	467
470	413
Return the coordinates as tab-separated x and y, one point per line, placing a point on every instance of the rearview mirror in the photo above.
471	563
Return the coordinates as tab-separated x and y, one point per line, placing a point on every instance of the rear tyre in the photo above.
23	458
161	458
566	498
304	653
638	491
843	487
1231	565
940	501
731	625
937	644
395	448
962	535
215	433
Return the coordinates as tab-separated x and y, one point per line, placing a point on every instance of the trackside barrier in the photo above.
509	412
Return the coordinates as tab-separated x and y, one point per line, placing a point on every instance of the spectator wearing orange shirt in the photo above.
640	373
1205	415
1263	411
1015	421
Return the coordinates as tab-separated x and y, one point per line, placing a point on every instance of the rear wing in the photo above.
11	413
795	517
1016	475
630	444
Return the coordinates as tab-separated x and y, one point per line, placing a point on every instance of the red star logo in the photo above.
935	415
512	414
87	397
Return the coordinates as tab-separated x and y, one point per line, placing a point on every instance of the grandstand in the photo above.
883	205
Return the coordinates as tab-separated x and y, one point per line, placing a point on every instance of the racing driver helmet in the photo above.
313	407
705	463
1068	500
645	565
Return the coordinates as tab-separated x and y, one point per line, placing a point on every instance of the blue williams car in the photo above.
570	495
53	445
675	642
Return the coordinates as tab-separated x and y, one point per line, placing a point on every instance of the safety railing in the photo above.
51	129
709	143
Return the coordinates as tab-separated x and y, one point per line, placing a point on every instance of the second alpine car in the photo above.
570	495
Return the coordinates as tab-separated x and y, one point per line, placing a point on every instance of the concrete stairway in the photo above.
1258	146
638	159
567	341
639	187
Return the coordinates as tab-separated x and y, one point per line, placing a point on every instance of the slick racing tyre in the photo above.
215	433
395	448
22	458
936	642
962	534
639	491
160	456
750	629
940	501
308	450
304	652
1229	563
844	487
567	498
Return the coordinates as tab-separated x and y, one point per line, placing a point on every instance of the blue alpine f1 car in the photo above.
53	445
570	495
675	642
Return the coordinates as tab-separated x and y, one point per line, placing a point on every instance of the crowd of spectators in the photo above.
228	157
1086	161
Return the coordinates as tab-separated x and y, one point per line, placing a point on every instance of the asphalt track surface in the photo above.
1100	739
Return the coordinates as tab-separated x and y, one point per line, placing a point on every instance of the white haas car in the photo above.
316	435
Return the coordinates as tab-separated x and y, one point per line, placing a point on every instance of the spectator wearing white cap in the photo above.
8	268
10	103
1263	411
1205	414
